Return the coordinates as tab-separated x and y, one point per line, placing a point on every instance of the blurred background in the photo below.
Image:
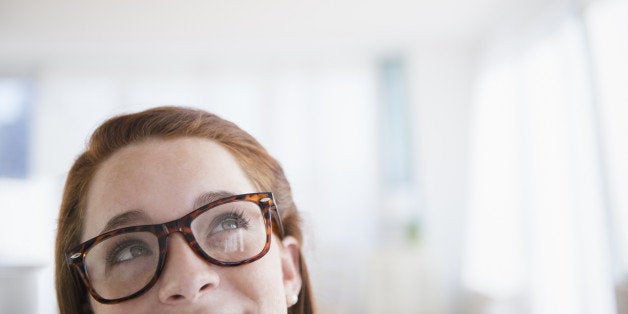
448	156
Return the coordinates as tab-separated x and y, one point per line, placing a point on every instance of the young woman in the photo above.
177	210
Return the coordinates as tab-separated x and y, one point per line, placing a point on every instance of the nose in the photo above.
186	277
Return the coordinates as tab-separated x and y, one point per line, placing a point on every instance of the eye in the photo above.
228	222
128	251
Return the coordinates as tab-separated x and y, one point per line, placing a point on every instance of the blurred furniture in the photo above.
621	295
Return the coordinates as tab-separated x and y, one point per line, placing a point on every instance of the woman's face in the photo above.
161	180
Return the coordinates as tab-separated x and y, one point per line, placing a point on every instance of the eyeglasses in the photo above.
124	263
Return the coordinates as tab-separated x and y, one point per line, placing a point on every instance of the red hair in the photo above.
166	122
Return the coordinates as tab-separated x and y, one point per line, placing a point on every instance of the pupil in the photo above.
229	224
138	251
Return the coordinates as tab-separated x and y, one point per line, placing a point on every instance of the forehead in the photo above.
161	178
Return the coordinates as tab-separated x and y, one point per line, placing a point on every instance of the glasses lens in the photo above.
122	265
231	232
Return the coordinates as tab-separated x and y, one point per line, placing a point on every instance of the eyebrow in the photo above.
134	216
126	218
209	197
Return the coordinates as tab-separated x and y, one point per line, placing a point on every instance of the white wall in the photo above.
442	96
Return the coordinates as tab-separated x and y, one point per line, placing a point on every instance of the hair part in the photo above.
166	123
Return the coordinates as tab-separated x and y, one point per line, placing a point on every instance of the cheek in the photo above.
260	281
124	307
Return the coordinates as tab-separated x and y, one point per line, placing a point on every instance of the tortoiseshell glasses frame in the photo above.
75	258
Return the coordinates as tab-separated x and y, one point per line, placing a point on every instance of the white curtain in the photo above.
543	232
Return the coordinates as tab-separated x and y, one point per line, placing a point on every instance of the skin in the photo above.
163	179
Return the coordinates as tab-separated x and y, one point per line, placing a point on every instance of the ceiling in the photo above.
82	26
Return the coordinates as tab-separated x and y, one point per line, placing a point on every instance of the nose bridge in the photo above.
179	226
186	275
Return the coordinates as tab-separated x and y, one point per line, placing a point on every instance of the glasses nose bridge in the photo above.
181	226
175	226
